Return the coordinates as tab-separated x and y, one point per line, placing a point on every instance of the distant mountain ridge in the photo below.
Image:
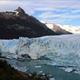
71	28
57	28
64	29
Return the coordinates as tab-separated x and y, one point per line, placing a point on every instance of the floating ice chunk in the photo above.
52	79
68	69
37	66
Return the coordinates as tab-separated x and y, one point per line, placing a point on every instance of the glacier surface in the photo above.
64	49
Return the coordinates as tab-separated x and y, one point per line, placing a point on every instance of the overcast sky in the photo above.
50	11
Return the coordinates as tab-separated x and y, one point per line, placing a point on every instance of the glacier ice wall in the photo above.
8	48
61	49
50	45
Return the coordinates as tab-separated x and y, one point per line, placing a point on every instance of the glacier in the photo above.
62	50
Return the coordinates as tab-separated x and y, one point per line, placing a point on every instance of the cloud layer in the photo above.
53	11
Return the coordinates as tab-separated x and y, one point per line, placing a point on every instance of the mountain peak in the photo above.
19	11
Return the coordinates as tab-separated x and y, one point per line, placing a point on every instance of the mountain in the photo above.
64	29
57	28
71	28
19	24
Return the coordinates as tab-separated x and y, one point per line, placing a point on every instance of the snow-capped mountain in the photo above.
72	29
64	28
57	28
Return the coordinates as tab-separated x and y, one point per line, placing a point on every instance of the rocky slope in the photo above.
9	73
19	24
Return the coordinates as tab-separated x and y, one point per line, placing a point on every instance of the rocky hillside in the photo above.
57	29
19	24
9	73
